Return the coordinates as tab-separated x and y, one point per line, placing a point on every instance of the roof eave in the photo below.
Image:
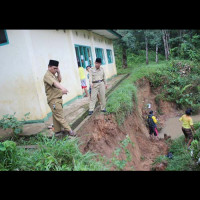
114	33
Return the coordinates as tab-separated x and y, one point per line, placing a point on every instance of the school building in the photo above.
24	58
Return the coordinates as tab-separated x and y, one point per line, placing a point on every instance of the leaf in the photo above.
2	147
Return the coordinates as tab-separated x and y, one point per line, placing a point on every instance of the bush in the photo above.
10	121
182	160
8	155
183	90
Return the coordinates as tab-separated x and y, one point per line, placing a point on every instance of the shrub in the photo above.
8	155
10	121
58	155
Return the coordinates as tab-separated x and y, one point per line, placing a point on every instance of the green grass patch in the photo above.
182	159
52	155
123	100
120	101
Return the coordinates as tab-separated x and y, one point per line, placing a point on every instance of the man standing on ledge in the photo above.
54	91
98	84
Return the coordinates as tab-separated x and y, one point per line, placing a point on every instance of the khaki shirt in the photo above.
51	91
97	74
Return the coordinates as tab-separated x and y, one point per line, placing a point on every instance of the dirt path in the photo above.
172	127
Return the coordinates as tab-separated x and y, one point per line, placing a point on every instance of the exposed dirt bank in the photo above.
102	134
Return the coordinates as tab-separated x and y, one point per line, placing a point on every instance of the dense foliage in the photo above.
173	44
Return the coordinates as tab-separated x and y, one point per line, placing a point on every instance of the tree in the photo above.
156	41
146	42
166	39
127	41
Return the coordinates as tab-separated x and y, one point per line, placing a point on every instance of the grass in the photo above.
183	90
182	159
52	155
122	101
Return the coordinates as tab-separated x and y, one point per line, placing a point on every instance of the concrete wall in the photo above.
17	92
24	62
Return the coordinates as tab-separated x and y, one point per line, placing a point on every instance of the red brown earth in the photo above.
102	134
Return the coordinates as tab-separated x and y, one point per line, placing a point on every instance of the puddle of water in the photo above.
173	127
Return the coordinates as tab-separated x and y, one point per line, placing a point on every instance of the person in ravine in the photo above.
187	127
54	92
152	121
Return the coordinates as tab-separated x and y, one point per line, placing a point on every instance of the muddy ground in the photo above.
102	134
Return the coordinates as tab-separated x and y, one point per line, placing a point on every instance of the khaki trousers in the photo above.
98	88
58	116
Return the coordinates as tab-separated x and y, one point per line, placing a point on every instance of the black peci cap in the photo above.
98	60
53	63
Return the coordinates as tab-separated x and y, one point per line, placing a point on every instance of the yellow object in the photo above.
154	119
187	121
81	73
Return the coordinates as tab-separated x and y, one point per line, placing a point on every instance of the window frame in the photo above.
97	52
109	53
83	50
5	43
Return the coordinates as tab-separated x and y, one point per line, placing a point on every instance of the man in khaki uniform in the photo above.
98	84
54	91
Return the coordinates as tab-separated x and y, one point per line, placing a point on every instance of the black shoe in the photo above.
72	133
58	133
103	110
90	112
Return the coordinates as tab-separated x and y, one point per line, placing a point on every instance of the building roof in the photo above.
109	33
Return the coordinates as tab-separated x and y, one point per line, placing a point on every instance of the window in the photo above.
3	38
109	55
100	54
83	55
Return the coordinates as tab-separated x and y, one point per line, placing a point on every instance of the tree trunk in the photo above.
165	45
147	59
156	53
167	42
124	59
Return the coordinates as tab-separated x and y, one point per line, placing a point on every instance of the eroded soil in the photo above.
102	134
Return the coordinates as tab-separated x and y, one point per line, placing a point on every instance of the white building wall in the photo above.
17	92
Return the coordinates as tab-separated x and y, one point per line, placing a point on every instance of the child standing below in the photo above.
187	126
83	80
